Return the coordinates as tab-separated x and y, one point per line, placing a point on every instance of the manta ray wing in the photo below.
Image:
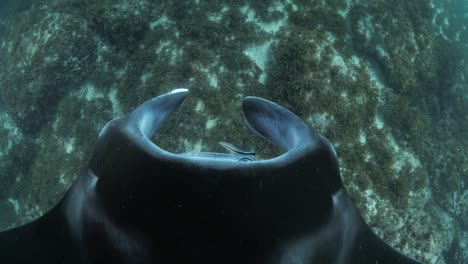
138	203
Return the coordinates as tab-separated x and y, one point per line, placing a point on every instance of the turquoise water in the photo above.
385	81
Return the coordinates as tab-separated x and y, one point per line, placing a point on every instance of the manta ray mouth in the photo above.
265	118
128	137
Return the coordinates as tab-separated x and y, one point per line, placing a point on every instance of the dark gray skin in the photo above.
137	203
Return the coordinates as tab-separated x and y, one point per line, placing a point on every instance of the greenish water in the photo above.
385	81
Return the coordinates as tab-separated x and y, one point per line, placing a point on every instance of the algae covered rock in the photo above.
385	81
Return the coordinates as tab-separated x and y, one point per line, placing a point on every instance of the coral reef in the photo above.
385	81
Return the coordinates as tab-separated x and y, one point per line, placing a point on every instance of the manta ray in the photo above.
138	203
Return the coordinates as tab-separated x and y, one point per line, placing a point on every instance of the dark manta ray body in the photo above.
137	203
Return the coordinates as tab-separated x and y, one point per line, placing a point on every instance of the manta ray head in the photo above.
212	195
139	203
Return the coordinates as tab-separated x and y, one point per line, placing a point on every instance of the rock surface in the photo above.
384	80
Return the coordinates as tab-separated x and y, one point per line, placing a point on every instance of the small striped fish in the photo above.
245	155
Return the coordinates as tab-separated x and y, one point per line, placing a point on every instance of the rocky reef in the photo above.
385	81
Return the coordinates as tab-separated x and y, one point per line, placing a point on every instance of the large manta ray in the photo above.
138	203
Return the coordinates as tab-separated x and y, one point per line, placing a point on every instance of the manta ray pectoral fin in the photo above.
276	123
133	128
286	130
123	147
137	203
148	117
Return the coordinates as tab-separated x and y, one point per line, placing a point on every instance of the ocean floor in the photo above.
385	81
